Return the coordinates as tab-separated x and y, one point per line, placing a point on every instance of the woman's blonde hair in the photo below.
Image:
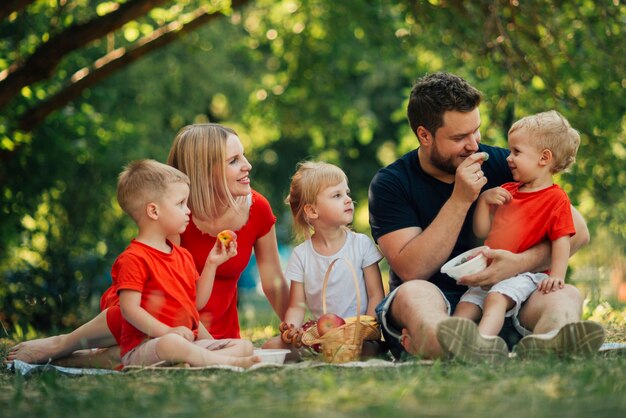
310	179
145	181
200	152
550	130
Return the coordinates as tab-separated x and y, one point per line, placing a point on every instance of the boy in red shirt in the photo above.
156	280
515	217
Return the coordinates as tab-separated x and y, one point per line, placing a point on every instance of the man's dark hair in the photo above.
437	93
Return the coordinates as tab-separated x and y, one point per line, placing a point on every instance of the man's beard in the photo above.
444	164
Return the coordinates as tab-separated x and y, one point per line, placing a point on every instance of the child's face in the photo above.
172	209
334	205
525	157
237	168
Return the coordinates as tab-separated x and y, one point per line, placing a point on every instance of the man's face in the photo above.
455	140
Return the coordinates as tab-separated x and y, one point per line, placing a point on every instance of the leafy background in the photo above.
297	79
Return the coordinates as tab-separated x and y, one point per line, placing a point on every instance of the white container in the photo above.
272	356
456	268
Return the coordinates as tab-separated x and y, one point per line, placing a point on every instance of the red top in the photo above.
529	218
167	283
220	313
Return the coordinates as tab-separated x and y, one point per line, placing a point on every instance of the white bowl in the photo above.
272	356
456	268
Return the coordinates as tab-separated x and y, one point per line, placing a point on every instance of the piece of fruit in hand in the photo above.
226	237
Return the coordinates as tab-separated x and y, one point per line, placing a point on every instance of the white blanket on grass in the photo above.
25	369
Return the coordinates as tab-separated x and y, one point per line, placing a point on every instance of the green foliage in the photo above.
297	79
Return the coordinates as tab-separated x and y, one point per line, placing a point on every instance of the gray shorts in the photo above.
518	288
145	354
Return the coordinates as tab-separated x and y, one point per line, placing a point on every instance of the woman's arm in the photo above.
374	287
272	279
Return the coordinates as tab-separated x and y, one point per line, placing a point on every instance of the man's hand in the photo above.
184	332
551	284
502	265
469	178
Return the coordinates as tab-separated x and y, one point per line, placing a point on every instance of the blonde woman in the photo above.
220	198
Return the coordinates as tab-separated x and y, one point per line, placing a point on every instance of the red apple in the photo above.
226	237
327	322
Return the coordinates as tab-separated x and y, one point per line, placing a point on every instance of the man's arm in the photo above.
271	273
415	253
505	264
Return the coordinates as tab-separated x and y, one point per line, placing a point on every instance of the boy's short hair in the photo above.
435	94
145	181
550	130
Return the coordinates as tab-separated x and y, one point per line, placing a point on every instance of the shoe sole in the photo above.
582	338
460	339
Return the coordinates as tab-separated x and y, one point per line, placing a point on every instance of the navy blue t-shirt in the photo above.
402	195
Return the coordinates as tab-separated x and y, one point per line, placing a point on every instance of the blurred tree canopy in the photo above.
86	86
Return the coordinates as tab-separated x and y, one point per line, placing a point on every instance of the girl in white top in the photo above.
322	209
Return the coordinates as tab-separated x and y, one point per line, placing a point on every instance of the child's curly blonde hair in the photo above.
550	130
310	179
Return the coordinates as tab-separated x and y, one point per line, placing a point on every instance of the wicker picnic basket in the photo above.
344	343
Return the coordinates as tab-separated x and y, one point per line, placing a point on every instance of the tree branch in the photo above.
44	60
9	6
113	61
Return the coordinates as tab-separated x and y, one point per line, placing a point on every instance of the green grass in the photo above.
547	387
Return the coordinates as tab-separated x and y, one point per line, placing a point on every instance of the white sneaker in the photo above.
582	338
460	339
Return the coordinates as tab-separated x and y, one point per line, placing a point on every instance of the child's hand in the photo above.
496	196
220	254
184	332
551	284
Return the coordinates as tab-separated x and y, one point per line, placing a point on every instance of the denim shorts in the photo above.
392	332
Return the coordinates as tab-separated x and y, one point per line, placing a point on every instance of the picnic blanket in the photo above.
26	369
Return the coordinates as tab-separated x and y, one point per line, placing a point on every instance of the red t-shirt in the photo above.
167	283
219	315
529	218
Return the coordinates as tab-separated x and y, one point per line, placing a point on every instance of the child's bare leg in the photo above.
496	306
93	334
175	349
468	310
237	348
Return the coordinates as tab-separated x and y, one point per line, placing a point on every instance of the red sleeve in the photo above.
130	273
262	213
562	223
